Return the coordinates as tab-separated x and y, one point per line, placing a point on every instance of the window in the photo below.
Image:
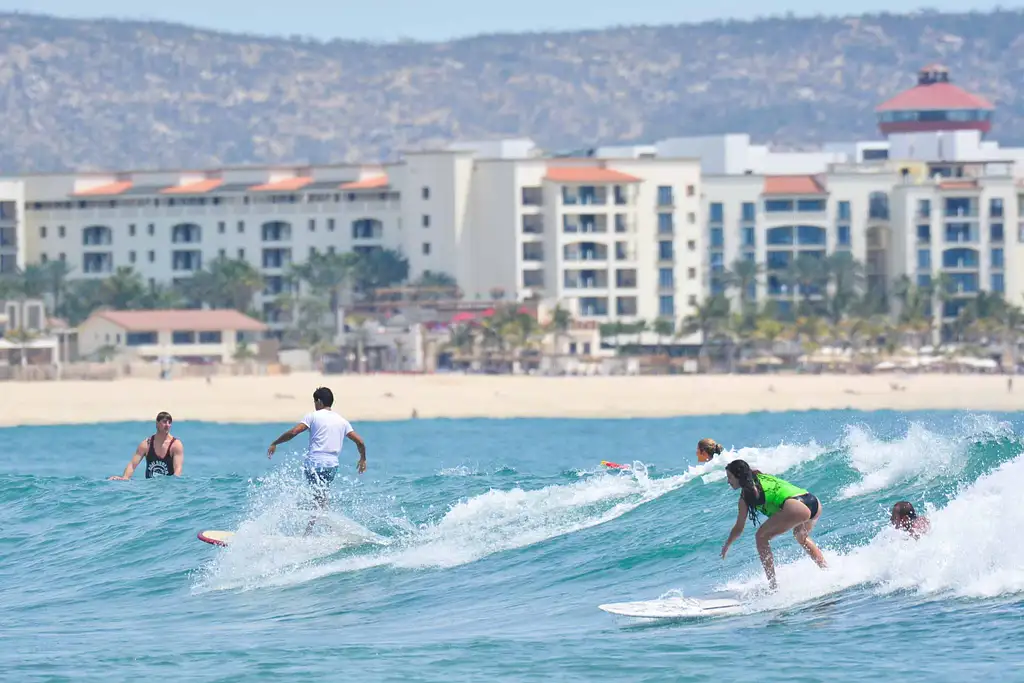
183	337
843	236
131	230
426	221
778	205
61	232
312	225
666	279
997	257
717	238
312	252
995	207
924	280
44	258
691	245
666	306
42	232
131	257
810	205
664	224
998	282
995	232
665	250
62	257
924	259
665	195
691	273
749	212
692	300
222	253
844	211
717	213
426	248
691	190
140	338
151	229
924	234
924	208
152	256
691	218
532	196
330	225
748	237
221	227
209	337
241	226
425	192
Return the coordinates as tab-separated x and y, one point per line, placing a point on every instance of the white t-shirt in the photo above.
327	432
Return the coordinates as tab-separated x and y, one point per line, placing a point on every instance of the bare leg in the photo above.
792	514
320	498
802	534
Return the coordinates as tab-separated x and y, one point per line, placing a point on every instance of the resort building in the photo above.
613	233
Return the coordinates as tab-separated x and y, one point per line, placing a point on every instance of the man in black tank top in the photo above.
164	454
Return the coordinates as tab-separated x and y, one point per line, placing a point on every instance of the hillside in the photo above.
112	94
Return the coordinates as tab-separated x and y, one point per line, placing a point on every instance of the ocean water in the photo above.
494	541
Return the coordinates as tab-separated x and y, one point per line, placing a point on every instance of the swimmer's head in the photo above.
707	449
163	421
903	515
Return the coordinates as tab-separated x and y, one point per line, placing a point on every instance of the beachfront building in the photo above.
610	239
165	335
614	233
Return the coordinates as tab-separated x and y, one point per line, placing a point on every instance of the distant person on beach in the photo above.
905	518
327	433
164	454
785	505
707	449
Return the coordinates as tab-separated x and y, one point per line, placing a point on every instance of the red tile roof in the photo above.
200	187
793	184
286	185
373	183
105	190
182	319
933	97
588	174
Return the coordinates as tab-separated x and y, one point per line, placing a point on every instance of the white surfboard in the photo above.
674	608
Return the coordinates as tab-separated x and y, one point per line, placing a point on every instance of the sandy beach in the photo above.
395	397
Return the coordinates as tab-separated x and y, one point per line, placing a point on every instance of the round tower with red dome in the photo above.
935	104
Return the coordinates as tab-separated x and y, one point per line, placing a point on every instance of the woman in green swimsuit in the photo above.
786	506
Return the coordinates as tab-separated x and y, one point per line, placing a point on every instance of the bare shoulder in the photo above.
178	446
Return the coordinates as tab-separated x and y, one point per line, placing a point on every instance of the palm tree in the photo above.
124	290
378	269
742	276
20	337
663	327
331	275
559	324
705	319
809	275
846	278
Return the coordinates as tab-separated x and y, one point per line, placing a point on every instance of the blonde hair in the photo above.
709	446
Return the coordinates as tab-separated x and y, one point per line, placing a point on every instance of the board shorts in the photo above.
320	478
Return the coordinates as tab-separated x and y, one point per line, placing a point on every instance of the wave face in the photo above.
479	548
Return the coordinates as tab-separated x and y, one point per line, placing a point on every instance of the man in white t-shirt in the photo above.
327	434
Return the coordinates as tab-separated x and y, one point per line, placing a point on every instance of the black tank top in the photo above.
159	466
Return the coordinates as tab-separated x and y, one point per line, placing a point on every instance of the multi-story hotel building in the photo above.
614	233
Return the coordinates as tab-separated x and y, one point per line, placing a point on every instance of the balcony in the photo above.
625	278
585	279
624	251
276	231
584	195
623	224
961	207
593	307
190	261
626	306
367	229
186	233
8	238
97	262
962	233
277	258
533	224
585	224
533	251
585	251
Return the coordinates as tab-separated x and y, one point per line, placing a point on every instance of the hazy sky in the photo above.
439	19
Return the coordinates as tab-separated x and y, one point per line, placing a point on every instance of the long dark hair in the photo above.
751	490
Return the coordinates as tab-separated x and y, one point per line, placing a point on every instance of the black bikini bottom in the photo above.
810	500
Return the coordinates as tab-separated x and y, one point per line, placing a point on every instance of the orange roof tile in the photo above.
182	319
286	185
793	184
367	183
959	185
588	174
199	187
105	190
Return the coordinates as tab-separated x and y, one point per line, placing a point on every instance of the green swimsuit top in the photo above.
776	491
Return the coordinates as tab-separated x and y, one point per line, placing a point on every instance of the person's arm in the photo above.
737	528
178	458
287	436
361	446
140	453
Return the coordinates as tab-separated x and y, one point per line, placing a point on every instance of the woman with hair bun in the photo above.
707	449
786	506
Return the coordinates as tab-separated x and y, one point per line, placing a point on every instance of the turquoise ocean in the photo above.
492	543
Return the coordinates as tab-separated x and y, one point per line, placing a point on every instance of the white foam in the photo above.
920	454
